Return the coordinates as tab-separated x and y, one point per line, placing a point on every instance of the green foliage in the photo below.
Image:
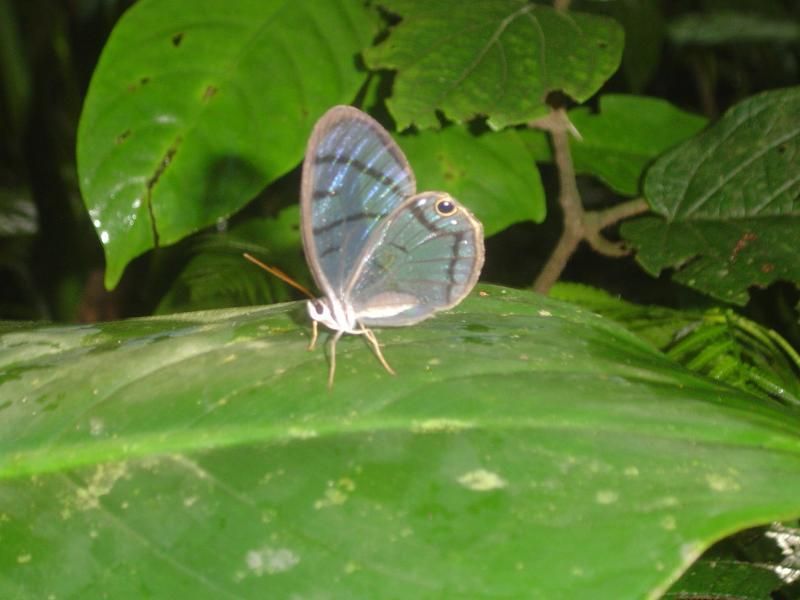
620	140
655	324
216	276
625	135
187	128
491	173
498	58
199	454
729	201
752	565
719	344
212	461
731	348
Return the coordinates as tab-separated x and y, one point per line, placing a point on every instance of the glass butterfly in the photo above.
382	254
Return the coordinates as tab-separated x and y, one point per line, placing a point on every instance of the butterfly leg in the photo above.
314	334
377	348
332	370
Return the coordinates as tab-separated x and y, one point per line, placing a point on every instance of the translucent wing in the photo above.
354	176
426	258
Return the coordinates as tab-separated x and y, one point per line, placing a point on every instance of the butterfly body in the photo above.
334	315
383	255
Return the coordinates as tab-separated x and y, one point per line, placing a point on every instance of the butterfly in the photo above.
382	254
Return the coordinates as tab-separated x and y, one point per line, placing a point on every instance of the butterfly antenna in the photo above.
279	274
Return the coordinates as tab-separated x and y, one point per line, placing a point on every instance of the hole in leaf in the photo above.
122	136
177	39
135	86
557	99
209	92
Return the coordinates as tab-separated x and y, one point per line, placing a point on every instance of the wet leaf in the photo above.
201	455
191	112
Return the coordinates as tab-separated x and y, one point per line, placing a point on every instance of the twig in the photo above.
578	224
616	213
568	197
594	222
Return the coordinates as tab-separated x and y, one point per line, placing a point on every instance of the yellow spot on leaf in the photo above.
481	480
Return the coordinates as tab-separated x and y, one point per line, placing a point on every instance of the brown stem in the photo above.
555	264
578	224
616	213
595	221
568	197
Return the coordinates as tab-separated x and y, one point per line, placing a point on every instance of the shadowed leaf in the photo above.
498	58
493	174
729	201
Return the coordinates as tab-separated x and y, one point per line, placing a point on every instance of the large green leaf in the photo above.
493	174
192	110
499	58
729	201
625	135
620	139
200	455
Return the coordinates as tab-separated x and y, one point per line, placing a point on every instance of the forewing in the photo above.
354	176
423	261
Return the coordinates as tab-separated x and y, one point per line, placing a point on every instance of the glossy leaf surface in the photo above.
191	112
201	455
